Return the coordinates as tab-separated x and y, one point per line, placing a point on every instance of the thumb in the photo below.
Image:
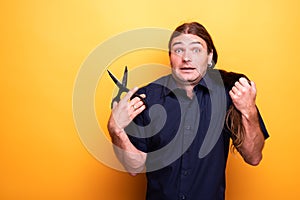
253	86
115	104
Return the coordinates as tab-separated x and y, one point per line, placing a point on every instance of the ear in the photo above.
210	58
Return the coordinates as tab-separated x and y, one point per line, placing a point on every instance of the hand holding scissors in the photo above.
126	109
122	88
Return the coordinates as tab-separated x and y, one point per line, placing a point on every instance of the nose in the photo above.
186	57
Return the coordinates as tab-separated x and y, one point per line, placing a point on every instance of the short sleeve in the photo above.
136	129
136	133
262	125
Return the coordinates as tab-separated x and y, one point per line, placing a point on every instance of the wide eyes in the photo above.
180	51
196	50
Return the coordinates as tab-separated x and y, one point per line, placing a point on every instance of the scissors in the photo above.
122	87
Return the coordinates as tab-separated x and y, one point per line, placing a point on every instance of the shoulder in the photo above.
158	85
228	78
156	90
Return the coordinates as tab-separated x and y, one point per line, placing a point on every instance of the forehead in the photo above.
187	39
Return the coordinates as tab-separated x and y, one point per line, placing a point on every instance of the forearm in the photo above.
132	159
253	143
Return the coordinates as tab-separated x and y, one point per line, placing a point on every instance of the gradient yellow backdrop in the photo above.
44	43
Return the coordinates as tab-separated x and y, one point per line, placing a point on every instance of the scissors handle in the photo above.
141	98
118	98
122	88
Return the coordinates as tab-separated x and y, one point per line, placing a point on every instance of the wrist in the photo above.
113	127
117	134
249	113
115	131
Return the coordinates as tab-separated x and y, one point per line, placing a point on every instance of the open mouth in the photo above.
187	69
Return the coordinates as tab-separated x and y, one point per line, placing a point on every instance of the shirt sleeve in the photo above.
136	130
137	133
262	125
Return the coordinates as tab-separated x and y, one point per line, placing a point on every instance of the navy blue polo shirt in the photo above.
172	131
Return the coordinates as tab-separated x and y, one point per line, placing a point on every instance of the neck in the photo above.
188	89
189	92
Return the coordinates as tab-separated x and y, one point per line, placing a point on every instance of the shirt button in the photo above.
188	127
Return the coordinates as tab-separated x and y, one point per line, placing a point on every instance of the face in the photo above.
189	59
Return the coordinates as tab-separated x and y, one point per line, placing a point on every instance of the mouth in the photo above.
187	69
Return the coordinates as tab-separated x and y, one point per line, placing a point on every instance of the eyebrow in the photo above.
197	42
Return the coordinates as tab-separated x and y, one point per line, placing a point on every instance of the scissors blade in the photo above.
115	80
122	87
125	75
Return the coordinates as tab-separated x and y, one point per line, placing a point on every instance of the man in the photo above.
189	105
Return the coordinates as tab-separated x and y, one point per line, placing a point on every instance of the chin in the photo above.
189	81
187	78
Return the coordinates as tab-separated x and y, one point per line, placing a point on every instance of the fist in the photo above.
243	95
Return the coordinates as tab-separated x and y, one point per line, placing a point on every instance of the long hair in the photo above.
235	126
233	119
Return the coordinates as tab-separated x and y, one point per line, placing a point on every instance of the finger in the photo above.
143	96
137	99
244	82
253	88
138	104
253	85
134	101
138	111
232	95
235	90
238	85
115	104
130	93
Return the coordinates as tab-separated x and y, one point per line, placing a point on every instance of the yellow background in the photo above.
44	43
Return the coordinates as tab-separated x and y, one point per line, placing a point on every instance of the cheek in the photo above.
174	60
201	60
175	57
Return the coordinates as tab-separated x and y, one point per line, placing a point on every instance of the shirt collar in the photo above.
170	85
